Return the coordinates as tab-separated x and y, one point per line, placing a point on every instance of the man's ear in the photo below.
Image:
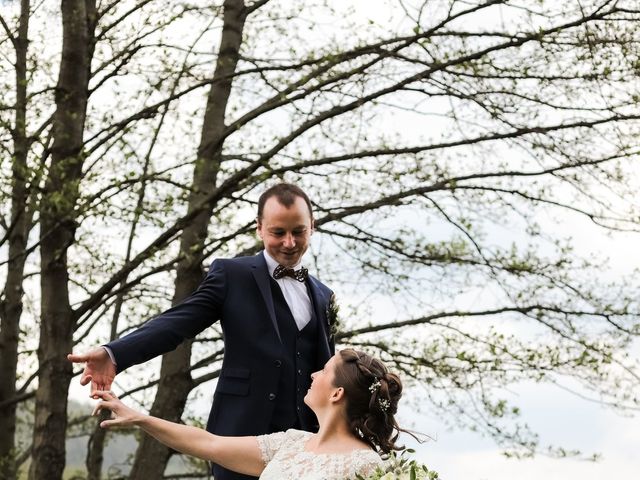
258	228
313	226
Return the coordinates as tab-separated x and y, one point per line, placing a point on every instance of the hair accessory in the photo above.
375	385
384	404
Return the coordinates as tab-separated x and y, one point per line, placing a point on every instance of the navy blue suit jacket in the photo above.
237	293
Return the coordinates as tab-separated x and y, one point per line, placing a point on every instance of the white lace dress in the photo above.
286	459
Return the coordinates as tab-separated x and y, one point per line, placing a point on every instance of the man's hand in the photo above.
99	369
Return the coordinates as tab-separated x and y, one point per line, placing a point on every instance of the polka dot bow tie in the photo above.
282	271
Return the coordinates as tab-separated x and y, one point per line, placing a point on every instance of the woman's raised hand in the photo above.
121	415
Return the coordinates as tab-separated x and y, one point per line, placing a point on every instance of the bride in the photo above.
355	399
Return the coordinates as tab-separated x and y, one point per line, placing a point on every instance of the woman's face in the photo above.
322	385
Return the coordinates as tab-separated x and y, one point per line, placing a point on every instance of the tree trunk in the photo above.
95	449
11	306
57	230
176	382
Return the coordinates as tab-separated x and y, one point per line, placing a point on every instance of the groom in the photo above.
274	318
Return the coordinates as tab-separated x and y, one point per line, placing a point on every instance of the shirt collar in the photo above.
272	264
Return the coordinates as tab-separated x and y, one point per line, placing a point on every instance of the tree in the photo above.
58	201
16	233
417	142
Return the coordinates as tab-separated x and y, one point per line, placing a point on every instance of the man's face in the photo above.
285	231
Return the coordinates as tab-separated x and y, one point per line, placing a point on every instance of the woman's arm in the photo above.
240	454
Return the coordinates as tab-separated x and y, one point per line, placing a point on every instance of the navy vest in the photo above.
299	356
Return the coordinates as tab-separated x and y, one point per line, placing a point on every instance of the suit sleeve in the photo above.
165	332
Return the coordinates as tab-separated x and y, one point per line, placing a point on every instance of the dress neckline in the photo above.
351	452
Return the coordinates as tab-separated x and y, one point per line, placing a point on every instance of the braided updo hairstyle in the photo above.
372	395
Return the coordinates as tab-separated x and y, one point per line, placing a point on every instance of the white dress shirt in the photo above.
294	292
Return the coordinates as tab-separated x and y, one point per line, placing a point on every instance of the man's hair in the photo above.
286	194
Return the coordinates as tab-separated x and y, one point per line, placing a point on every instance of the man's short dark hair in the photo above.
286	194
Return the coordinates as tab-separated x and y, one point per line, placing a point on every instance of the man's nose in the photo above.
289	240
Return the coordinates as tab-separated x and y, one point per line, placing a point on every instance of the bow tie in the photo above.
282	271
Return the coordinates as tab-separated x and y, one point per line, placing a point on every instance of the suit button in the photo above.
278	363
299	372
272	396
298	353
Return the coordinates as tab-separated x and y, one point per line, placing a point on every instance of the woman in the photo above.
355	399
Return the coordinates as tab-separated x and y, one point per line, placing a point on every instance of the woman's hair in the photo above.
372	395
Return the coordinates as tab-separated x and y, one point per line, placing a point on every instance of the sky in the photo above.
558	417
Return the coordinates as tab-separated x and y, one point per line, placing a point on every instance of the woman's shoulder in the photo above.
272	443
287	437
297	435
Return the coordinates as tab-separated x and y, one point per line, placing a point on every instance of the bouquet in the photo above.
400	467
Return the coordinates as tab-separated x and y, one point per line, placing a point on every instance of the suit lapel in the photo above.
261	275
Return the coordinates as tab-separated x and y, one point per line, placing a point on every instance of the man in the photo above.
275	323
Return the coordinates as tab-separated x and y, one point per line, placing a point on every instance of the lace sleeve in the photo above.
269	445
